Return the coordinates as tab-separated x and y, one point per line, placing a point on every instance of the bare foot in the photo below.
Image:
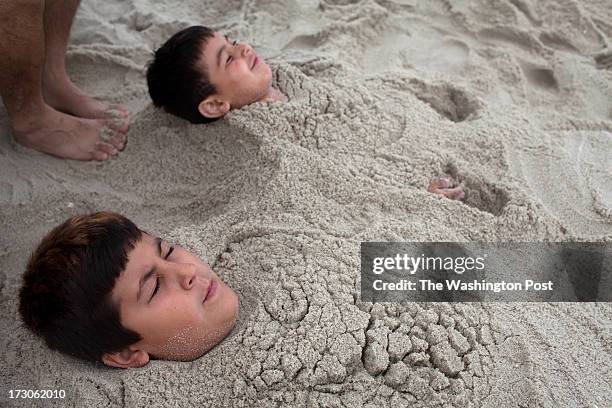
62	94
65	136
443	186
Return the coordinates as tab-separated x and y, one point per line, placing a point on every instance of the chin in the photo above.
234	306
267	74
228	309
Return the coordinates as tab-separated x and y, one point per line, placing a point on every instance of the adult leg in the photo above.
36	124
58	90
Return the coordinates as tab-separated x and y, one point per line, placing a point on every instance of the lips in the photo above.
210	291
255	61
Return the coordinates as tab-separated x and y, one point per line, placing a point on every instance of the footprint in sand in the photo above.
539	76
448	100
304	42
415	46
510	36
448	55
570	174
557	42
603	59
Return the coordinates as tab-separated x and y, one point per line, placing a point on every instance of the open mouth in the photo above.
212	288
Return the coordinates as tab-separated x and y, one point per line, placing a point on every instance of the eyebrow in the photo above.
221	51
150	272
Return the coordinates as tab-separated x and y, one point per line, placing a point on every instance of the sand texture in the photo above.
512	97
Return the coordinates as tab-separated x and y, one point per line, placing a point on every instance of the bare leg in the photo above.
58	90
36	124
442	186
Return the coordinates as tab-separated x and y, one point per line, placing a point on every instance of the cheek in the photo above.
178	324
232	303
190	332
177	313
227	312
187	343
265	73
245	78
238	75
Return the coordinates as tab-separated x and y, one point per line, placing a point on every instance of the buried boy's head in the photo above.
200	75
100	289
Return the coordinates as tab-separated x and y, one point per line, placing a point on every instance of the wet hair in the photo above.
175	83
66	293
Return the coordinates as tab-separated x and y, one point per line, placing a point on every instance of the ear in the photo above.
126	358
213	107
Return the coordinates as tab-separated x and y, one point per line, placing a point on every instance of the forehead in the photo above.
140	259
210	50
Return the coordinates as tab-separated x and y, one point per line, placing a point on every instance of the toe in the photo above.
118	124
107	148
116	111
99	155
112	136
119	140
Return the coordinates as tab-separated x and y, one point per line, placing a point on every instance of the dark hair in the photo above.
175	83
65	297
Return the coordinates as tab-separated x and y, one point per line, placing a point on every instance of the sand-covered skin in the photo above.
513	98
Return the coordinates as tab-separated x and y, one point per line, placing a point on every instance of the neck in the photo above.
273	94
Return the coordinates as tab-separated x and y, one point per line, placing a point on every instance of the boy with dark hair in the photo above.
100	289
200	75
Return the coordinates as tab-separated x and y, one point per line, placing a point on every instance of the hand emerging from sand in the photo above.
49	113
443	186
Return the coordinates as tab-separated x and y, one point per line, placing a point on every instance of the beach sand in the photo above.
511	97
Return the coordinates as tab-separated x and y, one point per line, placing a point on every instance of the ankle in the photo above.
28	119
54	83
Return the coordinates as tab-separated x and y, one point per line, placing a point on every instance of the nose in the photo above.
245	49
186	275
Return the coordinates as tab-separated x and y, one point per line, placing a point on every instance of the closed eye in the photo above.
157	284
230	58
169	252
158	279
